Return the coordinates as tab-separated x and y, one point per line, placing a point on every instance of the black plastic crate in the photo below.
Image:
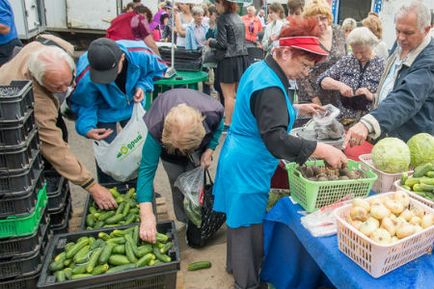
19	157
123	189
53	179
21	180
20	203
59	221
161	276
25	266
12	247
21	283
16	100
57	198
57	217
15	133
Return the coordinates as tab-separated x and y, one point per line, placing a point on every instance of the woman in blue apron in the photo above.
263	116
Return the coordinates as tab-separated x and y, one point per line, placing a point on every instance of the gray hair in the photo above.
421	11
349	22
196	10
362	36
46	59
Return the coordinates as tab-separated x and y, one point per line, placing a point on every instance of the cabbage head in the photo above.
391	155
421	148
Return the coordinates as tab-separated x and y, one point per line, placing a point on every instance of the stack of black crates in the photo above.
59	201
24	219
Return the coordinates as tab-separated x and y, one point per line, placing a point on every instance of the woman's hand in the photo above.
139	95
206	158
99	133
366	92
148	224
334	157
345	90
356	135
308	108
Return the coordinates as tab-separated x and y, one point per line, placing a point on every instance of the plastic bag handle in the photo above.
208	179
138	110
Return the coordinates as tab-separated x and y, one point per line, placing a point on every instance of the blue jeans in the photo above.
102	177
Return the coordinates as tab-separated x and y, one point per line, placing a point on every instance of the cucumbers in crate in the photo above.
117	251
126	213
422	181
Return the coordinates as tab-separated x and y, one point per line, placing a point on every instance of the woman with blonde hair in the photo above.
184	127
373	23
333	40
348	25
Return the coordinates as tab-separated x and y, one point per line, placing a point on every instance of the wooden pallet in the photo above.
77	215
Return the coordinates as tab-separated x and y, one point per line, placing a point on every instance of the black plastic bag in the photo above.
211	220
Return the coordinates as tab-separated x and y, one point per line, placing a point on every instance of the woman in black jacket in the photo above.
231	53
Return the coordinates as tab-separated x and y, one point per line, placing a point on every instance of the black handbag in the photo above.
211	220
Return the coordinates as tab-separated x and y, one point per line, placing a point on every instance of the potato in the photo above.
359	213
381	236
404	230
379	211
395	207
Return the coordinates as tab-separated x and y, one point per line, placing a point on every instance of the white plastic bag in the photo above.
121	158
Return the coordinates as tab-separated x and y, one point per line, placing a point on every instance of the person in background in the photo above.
166	30
404	102
259	137
129	8
355	76
156	19
212	30
133	26
8	32
205	7
295	7
432	23
112	76
231	53
333	40
184	127
182	20
348	25
48	62
373	22
261	16
195	36
276	13
252	26
140	27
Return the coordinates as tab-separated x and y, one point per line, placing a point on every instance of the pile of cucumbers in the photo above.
109	253
126	213
422	181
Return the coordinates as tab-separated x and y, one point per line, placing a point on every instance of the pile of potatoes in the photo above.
324	174
388	219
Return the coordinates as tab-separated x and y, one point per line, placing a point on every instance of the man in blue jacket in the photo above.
8	32
405	95
111	76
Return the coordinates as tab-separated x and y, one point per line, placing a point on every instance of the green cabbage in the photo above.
391	155
421	149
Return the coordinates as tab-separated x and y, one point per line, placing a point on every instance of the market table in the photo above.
295	259
187	79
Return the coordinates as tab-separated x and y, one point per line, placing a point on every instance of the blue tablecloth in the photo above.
295	259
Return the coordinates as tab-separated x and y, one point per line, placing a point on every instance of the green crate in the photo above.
312	195
14	226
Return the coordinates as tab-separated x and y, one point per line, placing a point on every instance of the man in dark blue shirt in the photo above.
8	32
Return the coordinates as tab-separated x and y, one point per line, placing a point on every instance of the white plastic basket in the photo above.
377	259
414	195
385	181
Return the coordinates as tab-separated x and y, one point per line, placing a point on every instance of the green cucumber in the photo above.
117	240
60	276
77	247
421	170
162	257
115	219
97	244
56	266
106	215
118	260
199	265
104	236
145	260
68	273
61	257
119	249
121	268
430	174
120	209
79	269
166	247
130	252
82	255
100	269
162	238
115	192
79	276
143	250
106	252
94	257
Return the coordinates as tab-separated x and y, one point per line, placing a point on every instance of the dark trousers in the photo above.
102	177
7	49
245	252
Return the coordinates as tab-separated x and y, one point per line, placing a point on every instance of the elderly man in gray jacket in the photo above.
404	104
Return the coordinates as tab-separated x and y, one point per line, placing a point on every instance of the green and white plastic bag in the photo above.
121	158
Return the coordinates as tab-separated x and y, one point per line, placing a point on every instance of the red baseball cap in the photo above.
307	43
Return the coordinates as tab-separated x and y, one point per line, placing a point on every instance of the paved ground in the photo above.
216	277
